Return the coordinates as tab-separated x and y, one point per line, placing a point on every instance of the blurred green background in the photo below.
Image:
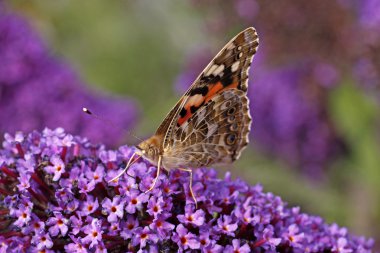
138	49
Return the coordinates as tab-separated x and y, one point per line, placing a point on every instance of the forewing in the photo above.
215	134
228	70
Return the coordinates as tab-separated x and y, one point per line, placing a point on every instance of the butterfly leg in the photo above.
126	167
191	186
158	174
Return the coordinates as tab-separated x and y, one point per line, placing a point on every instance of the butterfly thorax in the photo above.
150	149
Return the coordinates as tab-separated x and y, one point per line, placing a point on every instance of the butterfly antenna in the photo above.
107	121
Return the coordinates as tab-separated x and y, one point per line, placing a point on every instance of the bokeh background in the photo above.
314	87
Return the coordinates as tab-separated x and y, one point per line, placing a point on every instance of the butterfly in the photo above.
210	124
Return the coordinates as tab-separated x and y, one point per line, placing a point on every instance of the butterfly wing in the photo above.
228	70
215	134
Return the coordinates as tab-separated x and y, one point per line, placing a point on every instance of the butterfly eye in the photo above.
231	139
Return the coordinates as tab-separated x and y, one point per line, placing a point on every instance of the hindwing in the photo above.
215	134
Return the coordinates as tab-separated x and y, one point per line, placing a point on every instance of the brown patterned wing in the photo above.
215	134
228	70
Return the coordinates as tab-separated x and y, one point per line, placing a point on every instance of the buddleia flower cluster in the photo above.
37	89
56	195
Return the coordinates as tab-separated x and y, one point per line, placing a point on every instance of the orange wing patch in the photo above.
196	101
217	88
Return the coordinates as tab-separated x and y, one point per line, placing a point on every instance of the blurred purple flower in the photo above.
42	216
236	247
370	13
290	118
38	90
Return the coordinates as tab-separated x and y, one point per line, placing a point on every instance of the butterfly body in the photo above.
210	123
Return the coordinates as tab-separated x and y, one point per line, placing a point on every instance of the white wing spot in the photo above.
211	69
235	66
218	70
195	100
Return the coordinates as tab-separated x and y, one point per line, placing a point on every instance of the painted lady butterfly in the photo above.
210	124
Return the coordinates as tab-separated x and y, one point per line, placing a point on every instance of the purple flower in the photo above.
85	185
23	215
75	246
341	245
24	180
293	236
161	226
135	200
142	236
284	112
190	217
237	248
35	225
89	206
268	240
128	227
42	241
113	208
57	168
93	233
29	72
3	245
97	175
185	239
226	226
58	224
370	13
232	215
155	206
76	224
